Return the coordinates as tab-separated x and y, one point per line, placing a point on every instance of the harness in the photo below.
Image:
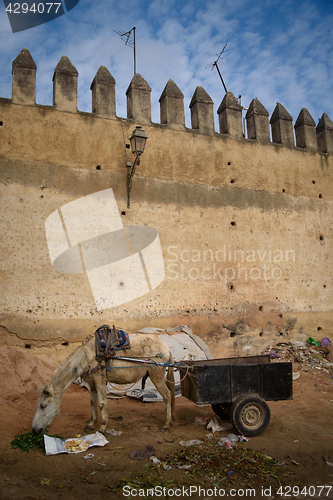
108	341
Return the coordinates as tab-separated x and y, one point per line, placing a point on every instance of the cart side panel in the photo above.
213	384
188	385
277	381
246	379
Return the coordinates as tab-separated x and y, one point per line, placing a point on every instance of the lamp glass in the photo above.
138	141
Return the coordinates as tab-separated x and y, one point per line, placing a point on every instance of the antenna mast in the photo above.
218	69
127	37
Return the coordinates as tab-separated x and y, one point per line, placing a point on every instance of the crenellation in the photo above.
65	85
103	93
282	126
24	79
202	113
257	123
230	116
172	106
305	131
324	131
138	100
277	130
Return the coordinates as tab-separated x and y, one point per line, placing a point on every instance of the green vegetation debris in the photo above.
27	441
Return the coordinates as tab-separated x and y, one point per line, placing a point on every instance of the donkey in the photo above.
83	363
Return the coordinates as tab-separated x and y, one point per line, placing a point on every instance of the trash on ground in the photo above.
232	440
155	460
113	432
216	425
296	375
53	446
143	454
202	420
191	442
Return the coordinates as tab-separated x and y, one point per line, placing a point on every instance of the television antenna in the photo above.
215	65
129	38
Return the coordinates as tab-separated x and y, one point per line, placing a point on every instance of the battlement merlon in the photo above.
65	78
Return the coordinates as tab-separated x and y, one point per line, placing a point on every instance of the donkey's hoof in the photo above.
88	428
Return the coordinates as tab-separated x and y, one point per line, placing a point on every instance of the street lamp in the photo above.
138	142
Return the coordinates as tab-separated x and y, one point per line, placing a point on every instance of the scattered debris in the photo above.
113	432
191	442
143	454
310	354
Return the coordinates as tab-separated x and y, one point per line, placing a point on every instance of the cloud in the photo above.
277	50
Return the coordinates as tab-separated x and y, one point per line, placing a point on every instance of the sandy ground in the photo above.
300	434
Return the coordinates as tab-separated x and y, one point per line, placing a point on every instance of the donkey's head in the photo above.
48	406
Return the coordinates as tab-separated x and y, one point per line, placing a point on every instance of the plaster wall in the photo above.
245	229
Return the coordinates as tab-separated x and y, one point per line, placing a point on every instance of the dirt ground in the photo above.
300	435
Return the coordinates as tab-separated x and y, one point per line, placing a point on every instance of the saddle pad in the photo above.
108	340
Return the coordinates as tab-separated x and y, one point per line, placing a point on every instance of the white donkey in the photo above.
83	363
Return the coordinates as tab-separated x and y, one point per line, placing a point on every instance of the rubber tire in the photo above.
250	415
222	410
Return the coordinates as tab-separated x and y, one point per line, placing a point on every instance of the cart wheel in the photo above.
250	415
222	410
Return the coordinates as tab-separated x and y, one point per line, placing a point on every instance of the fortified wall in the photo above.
229	232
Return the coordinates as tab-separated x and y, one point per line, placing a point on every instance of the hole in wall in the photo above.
233	223
324	286
321	237
98	167
260	308
123	212
283	190
127	146
65	343
261	334
232	334
313	182
27	346
320	196
1	123
229	162
231	287
232	181
319	328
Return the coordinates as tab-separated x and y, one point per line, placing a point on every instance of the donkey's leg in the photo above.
93	401
102	402
158	380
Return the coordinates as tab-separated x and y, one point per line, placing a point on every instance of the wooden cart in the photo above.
238	388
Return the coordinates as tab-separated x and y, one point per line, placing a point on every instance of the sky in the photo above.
277	50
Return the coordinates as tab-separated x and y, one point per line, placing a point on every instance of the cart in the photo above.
238	388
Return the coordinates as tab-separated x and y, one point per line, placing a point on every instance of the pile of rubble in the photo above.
305	354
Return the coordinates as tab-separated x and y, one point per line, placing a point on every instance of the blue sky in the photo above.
277	50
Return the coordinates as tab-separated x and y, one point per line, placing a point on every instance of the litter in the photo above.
202	420
217	426
185	467
143	454
113	432
325	342
232	440
192	442
155	460
296	375
53	446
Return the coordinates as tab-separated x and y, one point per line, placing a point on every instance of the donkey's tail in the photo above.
171	384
